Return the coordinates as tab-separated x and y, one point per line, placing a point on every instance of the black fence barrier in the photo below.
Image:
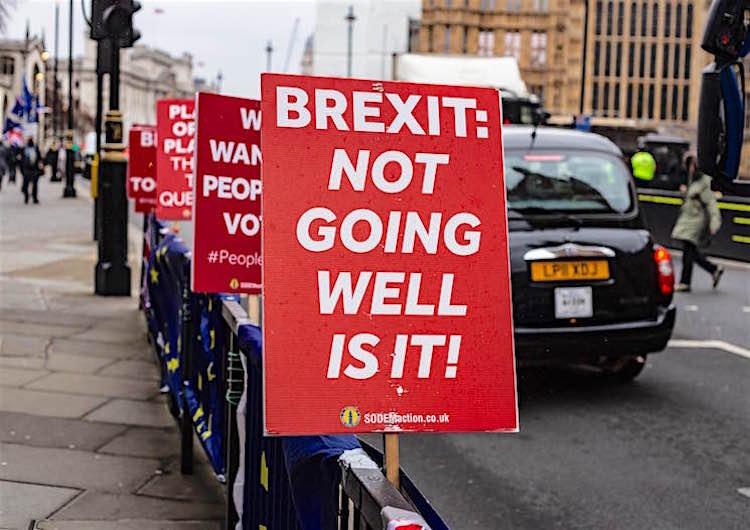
210	356
661	208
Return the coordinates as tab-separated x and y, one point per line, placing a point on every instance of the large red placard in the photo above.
226	202
142	167
386	271
174	158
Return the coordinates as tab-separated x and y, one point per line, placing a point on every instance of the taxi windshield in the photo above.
574	182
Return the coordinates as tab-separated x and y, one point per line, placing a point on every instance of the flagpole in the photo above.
70	190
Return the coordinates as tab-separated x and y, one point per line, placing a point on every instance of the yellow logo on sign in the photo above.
350	416
234	283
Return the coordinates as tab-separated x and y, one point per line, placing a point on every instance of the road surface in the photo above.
671	450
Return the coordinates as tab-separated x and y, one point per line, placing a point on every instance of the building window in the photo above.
465	43
652	66
642	62
633	18
486	42
616	89
663	110
618	59
688	58
644	18
513	5
655	20
689	22
513	44
597	54
539	48
447	39
685	102
631	59
610	14
538	91
620	17
413	35
7	65
541	6
674	102
595	96
678	21
668	20
605	99
430	47
629	101
665	62
676	62
449	3
607	53
651	102
639	103
598	18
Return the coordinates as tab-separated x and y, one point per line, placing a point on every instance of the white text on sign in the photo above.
329	107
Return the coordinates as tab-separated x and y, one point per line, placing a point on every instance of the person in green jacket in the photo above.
698	221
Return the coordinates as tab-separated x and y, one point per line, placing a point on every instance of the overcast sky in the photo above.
226	35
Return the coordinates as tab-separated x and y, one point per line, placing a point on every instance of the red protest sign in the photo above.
141	183
226	205
386	270
174	158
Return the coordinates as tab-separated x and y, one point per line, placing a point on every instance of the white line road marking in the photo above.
744	491
716	344
691	308
746	309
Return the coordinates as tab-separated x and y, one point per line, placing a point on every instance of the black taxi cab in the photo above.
589	284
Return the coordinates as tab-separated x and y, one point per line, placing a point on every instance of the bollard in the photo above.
112	277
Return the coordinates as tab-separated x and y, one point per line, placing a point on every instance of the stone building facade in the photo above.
545	37
146	75
19	59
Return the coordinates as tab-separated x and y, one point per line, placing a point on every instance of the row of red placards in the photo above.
384	259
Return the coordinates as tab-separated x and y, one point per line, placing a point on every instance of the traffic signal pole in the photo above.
112	27
112	269
70	191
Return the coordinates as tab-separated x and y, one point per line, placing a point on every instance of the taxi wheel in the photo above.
625	369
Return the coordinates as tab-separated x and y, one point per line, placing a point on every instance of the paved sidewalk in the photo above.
85	437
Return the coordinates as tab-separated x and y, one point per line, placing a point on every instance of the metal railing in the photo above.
275	496
365	500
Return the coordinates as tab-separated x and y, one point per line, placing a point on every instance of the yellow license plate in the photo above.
562	271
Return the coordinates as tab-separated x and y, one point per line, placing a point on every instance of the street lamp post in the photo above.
70	190
55	110
269	52
350	18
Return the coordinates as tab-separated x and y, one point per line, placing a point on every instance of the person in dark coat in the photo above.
13	158
3	161
32	167
698	221
51	158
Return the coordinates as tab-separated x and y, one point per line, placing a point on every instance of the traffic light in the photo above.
113	19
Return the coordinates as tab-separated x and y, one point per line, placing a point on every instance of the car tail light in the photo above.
664	270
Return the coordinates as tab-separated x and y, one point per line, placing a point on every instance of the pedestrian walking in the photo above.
13	158
31	168
51	158
698	221
3	162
